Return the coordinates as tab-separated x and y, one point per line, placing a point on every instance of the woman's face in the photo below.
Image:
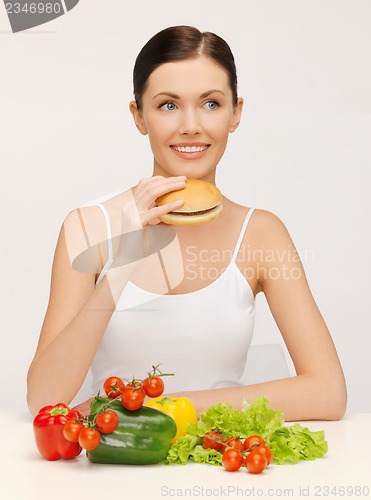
187	104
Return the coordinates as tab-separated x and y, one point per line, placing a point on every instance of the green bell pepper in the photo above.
142	437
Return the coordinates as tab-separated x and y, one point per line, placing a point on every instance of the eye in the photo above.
169	106
212	105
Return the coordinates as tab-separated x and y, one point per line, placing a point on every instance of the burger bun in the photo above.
202	203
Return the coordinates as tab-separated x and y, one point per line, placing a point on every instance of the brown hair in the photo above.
176	44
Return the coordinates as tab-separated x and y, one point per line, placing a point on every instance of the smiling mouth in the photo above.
190	149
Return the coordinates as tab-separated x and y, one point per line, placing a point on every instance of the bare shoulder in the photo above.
91	215
84	214
264	219
87	221
267	229
92	226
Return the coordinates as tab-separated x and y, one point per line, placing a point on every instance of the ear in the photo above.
138	117
237	112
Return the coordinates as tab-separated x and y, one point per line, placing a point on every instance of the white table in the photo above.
25	475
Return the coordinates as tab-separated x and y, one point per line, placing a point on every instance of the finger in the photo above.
157	179
151	192
156	212
153	222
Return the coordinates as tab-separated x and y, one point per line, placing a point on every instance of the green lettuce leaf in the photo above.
288	443
181	450
256	418
294	443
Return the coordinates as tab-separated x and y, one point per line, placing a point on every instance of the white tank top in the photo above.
202	336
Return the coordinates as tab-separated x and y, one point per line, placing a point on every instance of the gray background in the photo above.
302	150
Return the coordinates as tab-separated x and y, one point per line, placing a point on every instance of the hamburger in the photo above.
202	203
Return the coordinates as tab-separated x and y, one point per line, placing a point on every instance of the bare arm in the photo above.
78	311
319	390
75	321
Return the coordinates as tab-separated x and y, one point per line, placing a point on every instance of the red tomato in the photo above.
71	430
132	399
153	386
252	441
255	462
264	450
233	443
208	440
107	421
89	438
232	459
113	387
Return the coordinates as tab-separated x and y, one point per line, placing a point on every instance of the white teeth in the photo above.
189	149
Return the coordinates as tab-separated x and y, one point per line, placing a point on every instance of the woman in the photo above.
120	316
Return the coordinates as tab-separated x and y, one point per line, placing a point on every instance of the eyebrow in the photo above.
174	96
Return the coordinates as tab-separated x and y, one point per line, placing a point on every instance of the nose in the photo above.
190	122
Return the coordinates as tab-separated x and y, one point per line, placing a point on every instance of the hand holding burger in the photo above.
202	203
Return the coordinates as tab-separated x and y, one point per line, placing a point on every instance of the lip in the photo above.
190	156
185	144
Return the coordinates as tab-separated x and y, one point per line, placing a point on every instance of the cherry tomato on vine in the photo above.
264	450
255	462
208	440
132	399
107	421
232	459
253	440
134	384
113	387
89	438
233	443
153	386
71	430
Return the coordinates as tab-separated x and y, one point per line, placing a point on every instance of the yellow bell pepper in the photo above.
180	409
